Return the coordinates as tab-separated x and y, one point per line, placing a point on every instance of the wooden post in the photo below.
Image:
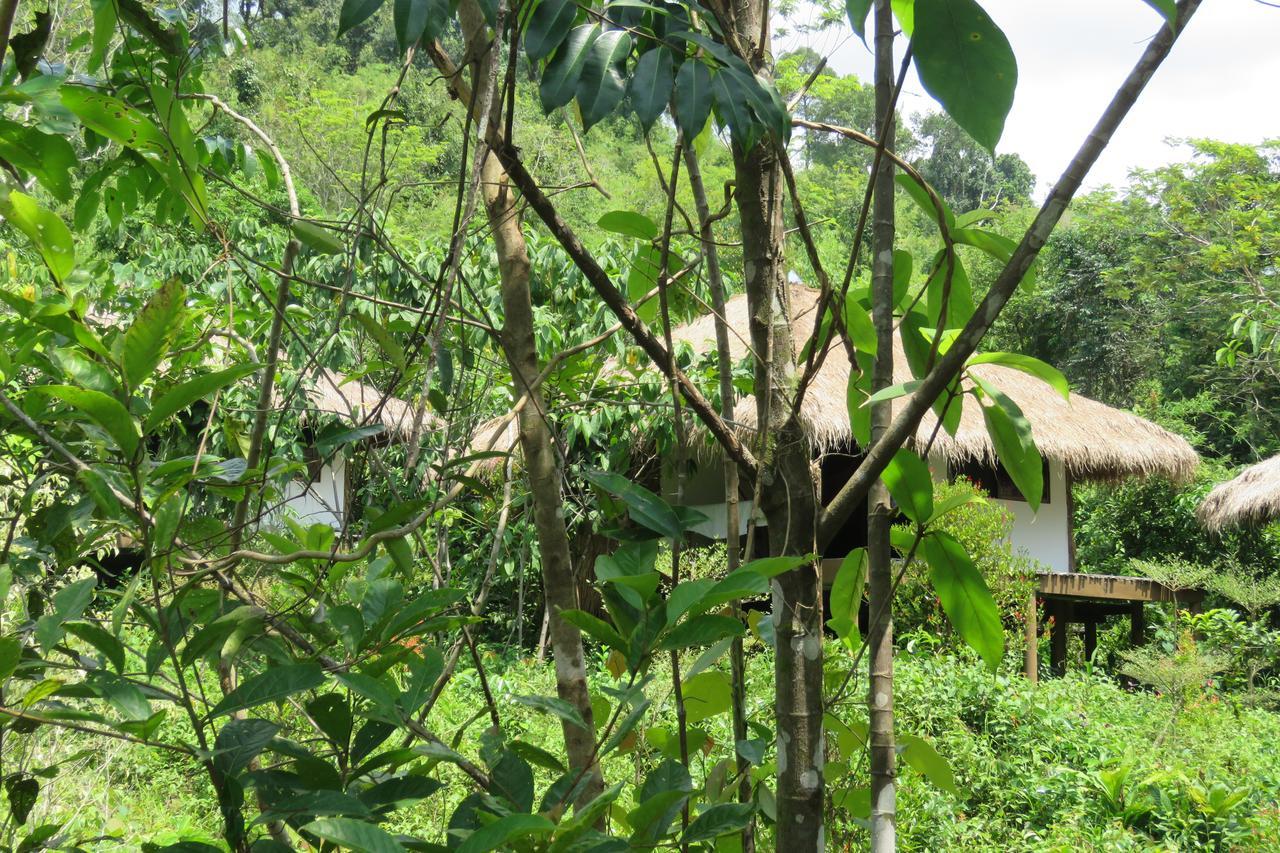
1058	637
1090	639
1137	624
1033	652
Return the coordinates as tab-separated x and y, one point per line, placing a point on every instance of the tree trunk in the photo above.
879	509
788	491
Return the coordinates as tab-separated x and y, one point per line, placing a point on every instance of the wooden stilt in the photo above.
1033	651
1090	639
1058	637
1137	624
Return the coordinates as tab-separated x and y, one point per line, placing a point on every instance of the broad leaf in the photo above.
116	120
180	397
692	97
411	21
46	231
601	86
1029	365
702	631
497	834
1168	9
354	835
646	508
651	84
555	706
856	11
278	682
846	597
718	820
706	695
965	61
318	238
560	80
152	332
965	597
629	223
921	756
106	412
1010	433
354	13
548	26
239	742
909	481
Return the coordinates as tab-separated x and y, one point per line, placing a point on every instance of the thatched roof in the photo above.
1094	440
1252	497
329	392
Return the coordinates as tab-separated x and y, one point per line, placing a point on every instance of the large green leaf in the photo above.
548	26
964	596
716	821
742	583
856	11
919	754
497	834
47	156
555	706
152	332
46	231
107	412
651	85
1029	365
846	597
10	655
965	61
1168	9
602	86
410	18
116	120
354	13
560	80
629	223
702	631
278	682
911	485
239	742
706	695
1010	433
599	630
178	398
357	835
646	508
692	97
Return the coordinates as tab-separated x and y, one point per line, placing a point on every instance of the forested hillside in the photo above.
355	444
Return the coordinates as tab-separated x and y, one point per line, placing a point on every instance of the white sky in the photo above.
1222	79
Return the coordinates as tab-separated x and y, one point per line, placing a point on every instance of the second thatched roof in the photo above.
1252	497
1093	440
329	392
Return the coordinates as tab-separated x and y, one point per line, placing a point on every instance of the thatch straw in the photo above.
1095	441
1252	497
331	393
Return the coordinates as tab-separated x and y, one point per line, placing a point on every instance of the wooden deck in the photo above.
1083	587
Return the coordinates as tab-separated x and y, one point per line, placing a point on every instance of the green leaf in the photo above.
100	490
318	238
718	820
1010	433
180	397
859	328
548	26
651	85
379	695
965	61
629	223
410	21
101	639
354	13
104	27
706	695
47	156
771	567
152	332
278	682
1027	364
596	628
740	584
909	481
925	201
354	834
106	412
846	597
692	97
646	508
388	345
1168	9
10	654
893	392
702	631
964	596
560	80
857	10
602	86
123	696
46	231
84	371
919	754
555	706
239	742
116	120
642	277
503	830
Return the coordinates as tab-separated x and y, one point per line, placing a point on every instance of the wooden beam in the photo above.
1112	588
1061	611
1137	624
1090	639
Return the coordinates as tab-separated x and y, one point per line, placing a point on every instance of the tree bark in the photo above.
540	463
788	494
879	509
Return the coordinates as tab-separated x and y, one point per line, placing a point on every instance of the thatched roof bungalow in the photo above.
1252	497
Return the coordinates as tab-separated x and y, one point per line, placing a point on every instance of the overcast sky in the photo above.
1222	79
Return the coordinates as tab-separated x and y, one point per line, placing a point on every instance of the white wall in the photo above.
320	502
1045	535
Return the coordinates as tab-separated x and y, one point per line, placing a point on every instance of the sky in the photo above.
1222	79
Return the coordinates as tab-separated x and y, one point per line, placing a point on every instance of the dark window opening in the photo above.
995	480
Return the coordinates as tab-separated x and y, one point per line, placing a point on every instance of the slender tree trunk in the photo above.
541	466
879	510
724	363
